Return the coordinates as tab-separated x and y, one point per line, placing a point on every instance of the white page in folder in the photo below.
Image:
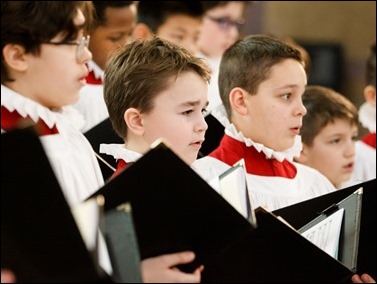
233	188
326	233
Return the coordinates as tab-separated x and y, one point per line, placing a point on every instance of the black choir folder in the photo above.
175	210
40	239
213	136
301	213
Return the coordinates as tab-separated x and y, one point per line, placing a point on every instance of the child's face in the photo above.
333	151
107	38
182	30
274	114
215	35
55	78
177	116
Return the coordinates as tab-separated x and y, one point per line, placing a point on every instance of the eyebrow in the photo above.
194	103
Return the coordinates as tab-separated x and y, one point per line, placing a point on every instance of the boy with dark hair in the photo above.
112	28
43	68
176	21
261	83
221	28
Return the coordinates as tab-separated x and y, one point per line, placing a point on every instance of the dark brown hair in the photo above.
247	63
30	23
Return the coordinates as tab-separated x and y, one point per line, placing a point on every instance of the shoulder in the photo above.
209	167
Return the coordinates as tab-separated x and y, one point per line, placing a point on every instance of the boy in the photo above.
113	25
221	27
176	21
156	89
43	67
118	22
261	82
328	134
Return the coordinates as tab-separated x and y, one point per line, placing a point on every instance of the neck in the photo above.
137	144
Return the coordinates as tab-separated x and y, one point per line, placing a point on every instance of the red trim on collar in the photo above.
370	139
92	80
121	165
231	151
12	120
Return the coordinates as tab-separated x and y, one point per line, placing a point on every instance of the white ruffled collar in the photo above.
367	116
231	131
97	71
118	151
13	101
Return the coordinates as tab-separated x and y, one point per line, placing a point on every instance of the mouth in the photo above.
197	144
348	167
295	130
82	79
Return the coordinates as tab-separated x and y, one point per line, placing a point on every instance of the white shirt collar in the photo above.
13	101
231	131
367	116
118	151
97	71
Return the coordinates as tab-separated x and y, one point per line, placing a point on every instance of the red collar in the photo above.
92	80
370	139
120	166
13	120
231	151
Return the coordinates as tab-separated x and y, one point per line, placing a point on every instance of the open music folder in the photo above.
174	210
300	214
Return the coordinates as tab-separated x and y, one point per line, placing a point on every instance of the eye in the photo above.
286	96
178	38
187	112
335	141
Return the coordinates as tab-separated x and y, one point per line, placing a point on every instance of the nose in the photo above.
349	150
85	56
201	125
301	109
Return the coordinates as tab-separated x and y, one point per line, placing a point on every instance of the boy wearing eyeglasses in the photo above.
220	29
43	68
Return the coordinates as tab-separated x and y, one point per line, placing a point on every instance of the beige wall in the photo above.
349	23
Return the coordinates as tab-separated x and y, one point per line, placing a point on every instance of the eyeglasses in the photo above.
226	23
81	44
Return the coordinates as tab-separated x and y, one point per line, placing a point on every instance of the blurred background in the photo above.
336	34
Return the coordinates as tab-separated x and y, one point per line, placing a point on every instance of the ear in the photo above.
15	57
238	100
133	120
303	158
370	94
141	31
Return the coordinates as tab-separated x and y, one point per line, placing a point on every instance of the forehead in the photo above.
182	21
120	16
